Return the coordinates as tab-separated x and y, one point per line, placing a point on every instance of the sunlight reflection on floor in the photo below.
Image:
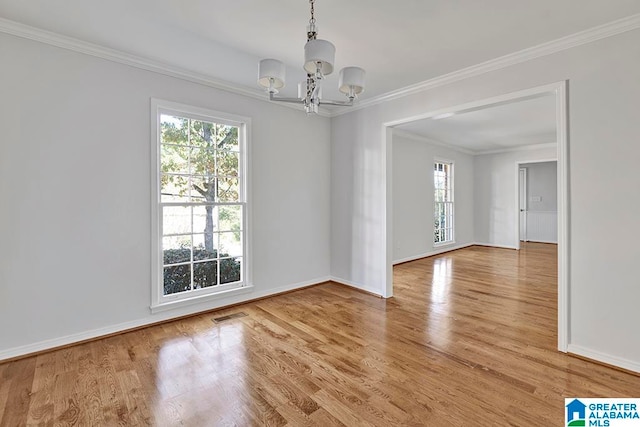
439	328
194	372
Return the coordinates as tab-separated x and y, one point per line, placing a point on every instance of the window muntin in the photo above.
201	203
443	198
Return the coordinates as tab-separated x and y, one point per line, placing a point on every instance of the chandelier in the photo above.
319	56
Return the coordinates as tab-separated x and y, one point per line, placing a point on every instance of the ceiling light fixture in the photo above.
319	56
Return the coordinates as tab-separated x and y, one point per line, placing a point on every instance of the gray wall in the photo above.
604	100
542	183
413	203
496	181
75	186
485	195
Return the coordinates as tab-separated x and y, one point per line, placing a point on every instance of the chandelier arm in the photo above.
341	103
272	97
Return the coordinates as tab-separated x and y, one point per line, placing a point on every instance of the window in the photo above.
443	197
200	218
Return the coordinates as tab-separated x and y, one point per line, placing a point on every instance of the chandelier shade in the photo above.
319	55
351	81
271	74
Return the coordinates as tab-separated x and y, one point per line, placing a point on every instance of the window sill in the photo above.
437	245
184	302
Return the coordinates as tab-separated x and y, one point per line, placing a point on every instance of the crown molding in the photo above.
415	137
587	36
76	45
577	39
81	46
519	148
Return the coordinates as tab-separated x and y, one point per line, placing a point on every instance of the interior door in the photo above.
522	183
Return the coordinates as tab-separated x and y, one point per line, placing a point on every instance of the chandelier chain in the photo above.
312	21
311	32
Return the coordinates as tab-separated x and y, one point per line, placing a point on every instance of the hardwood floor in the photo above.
468	339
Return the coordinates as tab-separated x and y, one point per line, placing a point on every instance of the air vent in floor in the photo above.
229	317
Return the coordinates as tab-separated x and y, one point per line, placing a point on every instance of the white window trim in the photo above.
453	204
160	302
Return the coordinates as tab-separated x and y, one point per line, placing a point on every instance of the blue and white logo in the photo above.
608	412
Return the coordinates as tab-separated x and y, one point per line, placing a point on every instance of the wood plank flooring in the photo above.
468	339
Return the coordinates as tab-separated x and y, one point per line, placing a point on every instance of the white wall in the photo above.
496	182
75	191
413	202
604	100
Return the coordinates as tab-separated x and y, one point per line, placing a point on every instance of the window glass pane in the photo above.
228	190
175	159
203	189
229	218
205	274
205	246
204	219
228	138
177	279
230	244
173	130
176	220
227	163
230	269
176	249
201	133
203	161
174	188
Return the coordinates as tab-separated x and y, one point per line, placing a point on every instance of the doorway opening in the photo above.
537	208
559	93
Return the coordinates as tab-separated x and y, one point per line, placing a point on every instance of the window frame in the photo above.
450	163
160	301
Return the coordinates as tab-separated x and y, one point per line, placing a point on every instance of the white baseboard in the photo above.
160	317
604	358
542	241
356	285
493	245
432	253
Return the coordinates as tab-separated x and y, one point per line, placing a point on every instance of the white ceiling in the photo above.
493	128
399	43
